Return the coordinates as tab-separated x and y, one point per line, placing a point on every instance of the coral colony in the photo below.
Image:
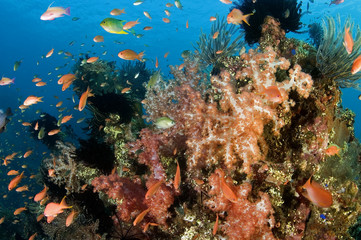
261	150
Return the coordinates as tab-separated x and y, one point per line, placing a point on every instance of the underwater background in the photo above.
122	155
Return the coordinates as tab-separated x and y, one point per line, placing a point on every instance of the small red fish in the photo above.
215	227
140	217
317	194
236	17
53	209
356	66
70	218
177	177
19	210
348	41
41	195
15	181
153	189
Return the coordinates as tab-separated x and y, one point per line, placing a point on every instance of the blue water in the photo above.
26	37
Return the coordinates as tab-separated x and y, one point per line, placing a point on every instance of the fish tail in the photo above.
63	203
246	17
67	11
13	80
140	56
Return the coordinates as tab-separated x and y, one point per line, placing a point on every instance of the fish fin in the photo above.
63	203
308	183
51	4
8	112
67	11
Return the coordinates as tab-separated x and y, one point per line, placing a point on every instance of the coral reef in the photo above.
244	142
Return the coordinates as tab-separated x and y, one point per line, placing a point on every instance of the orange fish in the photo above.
22	107
41	195
13	172
28	153
39	217
130	55
36	128
140	217
22	188
2	220
15	181
181	66
215	227
228	192
53	209
147	28
153	189
166	54
26	124
32	237
66	85
98	38
226	1
333	149
187	24
40	84
51	172
92	59
53	132
167	12
166	20
273	94
156	62
212	19
356	66
348	41
32	100
147	226
36	80
125	90
215	35
11	156
66	78
317	194
59	104
83	99
130	24
19	210
219	51
66	118
70	218
177	177
236	17
169	5
50	53
116	11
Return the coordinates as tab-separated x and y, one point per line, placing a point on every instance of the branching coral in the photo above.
208	46
245	219
332	58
